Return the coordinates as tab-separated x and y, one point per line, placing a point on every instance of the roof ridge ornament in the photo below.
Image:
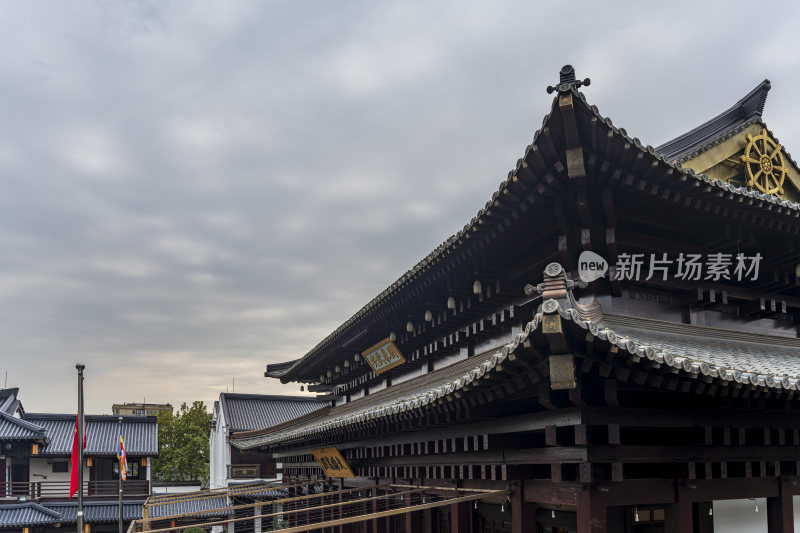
567	81
557	289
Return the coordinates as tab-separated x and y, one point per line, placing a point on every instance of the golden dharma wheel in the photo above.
763	163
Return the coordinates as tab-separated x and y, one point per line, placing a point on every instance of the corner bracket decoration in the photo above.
763	163
567	80
558	302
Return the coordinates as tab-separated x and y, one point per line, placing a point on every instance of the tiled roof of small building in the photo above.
18	429
202	507
96	512
38	514
17	515
140	434
245	412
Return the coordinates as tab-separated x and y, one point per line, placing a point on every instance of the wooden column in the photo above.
346	528
704	522
523	514
678	517
374	506
307	504
414	519
256	519
313	502
461	517
591	513
427	520
288	506
780	513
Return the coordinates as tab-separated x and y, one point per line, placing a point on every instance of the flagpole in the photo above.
81	429
119	478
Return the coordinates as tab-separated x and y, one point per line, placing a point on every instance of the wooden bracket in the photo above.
575	166
562	372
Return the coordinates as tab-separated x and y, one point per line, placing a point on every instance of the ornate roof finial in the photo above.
567	80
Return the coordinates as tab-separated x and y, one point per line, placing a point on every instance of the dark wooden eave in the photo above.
691	354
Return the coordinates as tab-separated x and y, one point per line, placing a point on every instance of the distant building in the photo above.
35	467
139	409
247	412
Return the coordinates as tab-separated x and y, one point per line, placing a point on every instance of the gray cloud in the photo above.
192	190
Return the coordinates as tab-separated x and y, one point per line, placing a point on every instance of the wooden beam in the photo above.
545	492
514	424
634	454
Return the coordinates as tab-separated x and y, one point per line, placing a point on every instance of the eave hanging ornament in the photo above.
763	163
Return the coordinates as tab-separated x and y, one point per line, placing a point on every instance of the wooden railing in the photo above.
50	490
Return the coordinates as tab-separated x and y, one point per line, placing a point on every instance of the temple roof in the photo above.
743	113
589	118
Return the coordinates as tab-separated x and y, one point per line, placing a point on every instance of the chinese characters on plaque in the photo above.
383	356
332	462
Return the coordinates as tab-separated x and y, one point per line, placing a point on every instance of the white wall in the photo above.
174	489
739	516
40	466
219	452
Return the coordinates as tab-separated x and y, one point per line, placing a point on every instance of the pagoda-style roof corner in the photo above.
279	370
573	144
743	113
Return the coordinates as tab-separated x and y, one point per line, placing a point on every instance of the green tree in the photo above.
183	444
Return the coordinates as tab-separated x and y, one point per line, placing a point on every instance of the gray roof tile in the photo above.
140	434
96	511
244	412
8	400
27	514
207	507
18	429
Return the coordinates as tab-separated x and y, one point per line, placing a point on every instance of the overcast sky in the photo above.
191	190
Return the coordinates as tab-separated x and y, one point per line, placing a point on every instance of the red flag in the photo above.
73	480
